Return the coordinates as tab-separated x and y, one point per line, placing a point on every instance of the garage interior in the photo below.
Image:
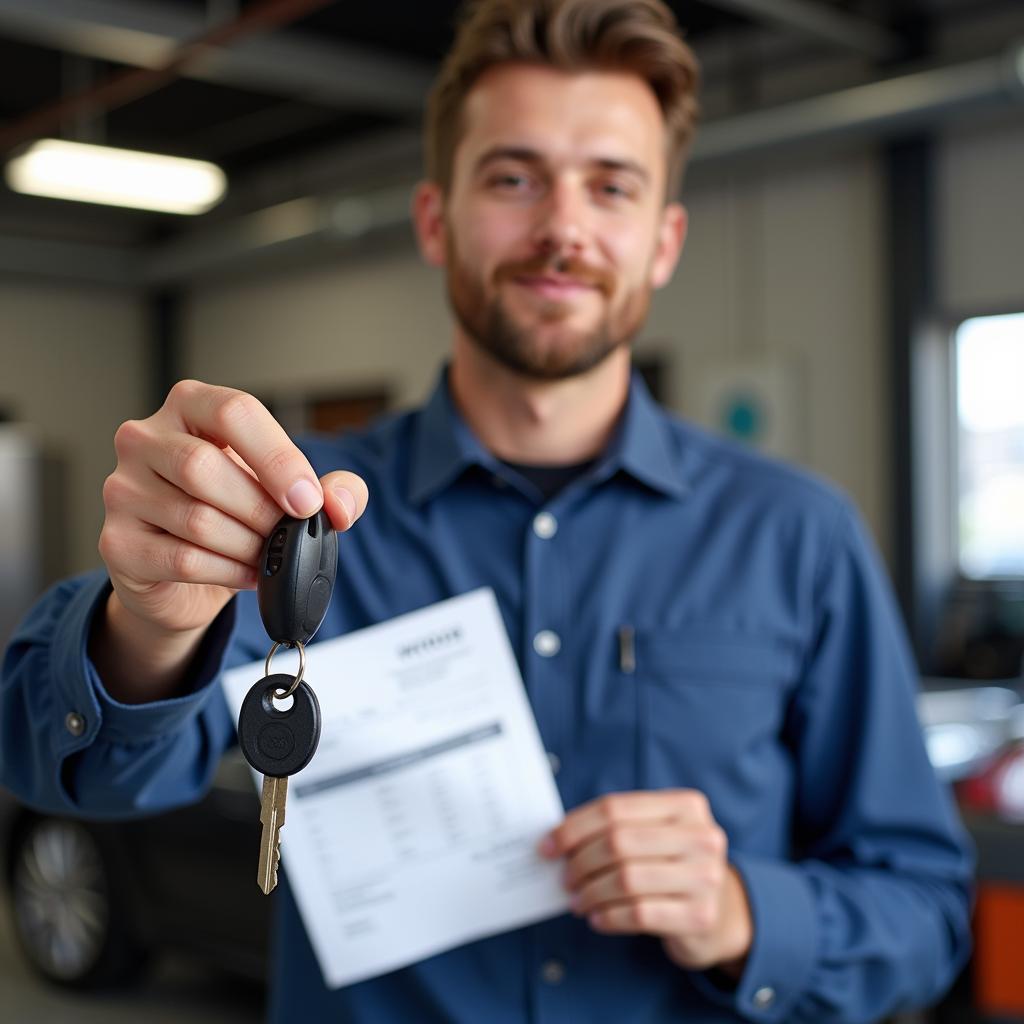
856	209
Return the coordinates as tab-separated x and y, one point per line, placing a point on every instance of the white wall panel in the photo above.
74	366
348	325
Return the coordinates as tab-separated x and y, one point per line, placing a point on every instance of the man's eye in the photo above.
615	190
509	182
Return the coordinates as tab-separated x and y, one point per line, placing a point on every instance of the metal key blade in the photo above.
272	804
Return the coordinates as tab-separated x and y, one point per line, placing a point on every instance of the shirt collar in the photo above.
643	446
444	446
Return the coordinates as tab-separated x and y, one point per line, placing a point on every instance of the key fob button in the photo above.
275	741
316	605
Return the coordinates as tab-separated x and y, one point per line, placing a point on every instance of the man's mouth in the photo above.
554	287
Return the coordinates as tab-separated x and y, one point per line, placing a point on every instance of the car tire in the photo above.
70	915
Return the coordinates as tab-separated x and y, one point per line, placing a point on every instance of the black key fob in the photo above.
279	742
298	567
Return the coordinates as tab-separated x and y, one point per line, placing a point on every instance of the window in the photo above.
990	446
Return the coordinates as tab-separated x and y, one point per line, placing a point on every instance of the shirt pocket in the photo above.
710	708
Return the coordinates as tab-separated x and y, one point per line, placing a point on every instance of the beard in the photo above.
546	350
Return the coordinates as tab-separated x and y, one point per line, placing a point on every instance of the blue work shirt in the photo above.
685	614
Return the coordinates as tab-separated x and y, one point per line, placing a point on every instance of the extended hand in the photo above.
197	487
655	863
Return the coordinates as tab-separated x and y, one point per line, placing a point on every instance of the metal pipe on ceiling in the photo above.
915	100
283	231
127	85
820	22
295	65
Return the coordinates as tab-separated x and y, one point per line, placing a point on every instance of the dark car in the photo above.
91	901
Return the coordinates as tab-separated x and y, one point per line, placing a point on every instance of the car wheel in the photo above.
68	916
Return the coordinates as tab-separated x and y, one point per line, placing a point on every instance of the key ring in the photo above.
283	694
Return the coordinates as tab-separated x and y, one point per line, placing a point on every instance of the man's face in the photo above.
554	231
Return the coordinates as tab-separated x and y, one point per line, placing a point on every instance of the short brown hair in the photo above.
640	36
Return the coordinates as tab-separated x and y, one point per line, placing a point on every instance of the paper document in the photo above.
414	828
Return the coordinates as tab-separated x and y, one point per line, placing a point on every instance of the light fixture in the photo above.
116	177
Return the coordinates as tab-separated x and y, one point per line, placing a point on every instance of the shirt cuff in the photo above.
93	713
784	947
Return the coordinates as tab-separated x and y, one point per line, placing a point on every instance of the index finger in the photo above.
589	820
229	417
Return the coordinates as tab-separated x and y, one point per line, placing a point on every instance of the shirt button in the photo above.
545	525
764	997
553	972
547	643
555	761
74	723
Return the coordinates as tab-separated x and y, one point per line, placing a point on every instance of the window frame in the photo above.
939	583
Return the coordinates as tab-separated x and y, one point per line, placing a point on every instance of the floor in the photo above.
173	991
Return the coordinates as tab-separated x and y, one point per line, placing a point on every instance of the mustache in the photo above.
569	267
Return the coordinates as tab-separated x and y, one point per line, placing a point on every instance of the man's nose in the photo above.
562	219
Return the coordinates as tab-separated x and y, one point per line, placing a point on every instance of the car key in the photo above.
277	742
298	566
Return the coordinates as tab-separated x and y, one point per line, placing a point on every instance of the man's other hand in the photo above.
656	863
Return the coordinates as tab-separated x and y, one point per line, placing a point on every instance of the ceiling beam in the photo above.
897	105
299	67
820	22
52	259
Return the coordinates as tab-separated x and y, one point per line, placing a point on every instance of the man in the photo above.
710	650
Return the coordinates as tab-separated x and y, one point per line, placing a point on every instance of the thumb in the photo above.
345	497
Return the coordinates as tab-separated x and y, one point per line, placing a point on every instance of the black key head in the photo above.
298	567
277	742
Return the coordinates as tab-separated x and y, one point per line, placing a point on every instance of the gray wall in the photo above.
782	271
981	187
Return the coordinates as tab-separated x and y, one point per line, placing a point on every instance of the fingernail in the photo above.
304	498
547	846
346	497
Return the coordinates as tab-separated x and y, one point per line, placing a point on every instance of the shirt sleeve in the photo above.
872	914
67	747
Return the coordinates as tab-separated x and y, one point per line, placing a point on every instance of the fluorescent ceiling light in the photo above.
116	177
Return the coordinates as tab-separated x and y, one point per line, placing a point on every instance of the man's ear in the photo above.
428	218
671	238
